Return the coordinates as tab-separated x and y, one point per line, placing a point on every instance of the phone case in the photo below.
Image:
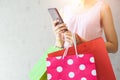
55	15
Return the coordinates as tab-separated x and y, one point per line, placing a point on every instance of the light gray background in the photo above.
26	33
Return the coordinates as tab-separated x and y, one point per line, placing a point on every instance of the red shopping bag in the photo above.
98	48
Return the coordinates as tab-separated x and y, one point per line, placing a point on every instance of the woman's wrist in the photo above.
59	43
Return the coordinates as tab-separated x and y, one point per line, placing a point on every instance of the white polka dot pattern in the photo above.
83	78
71	75
93	72
59	57
49	76
59	69
71	67
48	63
81	55
92	60
82	67
70	61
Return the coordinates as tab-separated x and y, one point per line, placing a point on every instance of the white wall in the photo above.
26	33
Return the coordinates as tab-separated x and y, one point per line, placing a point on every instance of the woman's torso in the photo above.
86	24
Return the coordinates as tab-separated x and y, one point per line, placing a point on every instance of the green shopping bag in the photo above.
38	72
44	76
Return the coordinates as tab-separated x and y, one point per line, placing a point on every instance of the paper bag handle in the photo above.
75	46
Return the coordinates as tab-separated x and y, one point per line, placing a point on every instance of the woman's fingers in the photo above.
60	28
68	37
68	33
55	22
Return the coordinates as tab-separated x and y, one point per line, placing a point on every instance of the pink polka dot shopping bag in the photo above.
81	67
71	67
102	61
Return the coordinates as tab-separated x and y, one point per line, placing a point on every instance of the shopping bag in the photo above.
43	77
97	47
81	67
38	72
71	67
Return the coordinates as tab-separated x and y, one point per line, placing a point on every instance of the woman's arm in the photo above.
109	30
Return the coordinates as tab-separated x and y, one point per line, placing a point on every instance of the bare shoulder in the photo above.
105	10
105	7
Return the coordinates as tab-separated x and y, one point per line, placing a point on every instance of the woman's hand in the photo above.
69	38
63	35
59	30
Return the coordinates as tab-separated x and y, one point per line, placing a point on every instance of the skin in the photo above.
106	21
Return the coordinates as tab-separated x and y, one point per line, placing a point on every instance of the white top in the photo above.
86	24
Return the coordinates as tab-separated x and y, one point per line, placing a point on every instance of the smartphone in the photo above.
55	15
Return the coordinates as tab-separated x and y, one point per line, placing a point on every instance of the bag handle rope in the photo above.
75	46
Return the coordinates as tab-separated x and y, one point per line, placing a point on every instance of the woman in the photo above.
87	19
